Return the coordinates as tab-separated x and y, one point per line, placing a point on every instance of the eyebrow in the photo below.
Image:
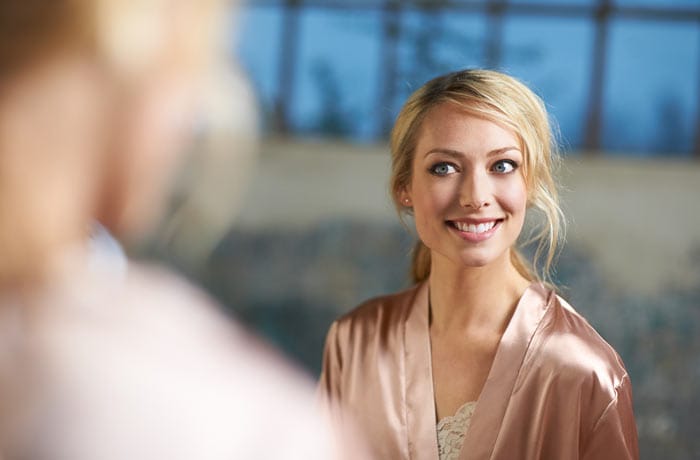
457	153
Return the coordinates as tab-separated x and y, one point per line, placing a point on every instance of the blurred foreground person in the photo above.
96	98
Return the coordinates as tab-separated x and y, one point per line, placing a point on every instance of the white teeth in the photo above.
474	228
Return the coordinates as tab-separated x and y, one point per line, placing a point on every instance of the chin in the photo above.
475	262
480	259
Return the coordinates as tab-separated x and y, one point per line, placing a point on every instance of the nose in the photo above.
475	191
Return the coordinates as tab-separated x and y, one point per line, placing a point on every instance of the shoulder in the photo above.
585	370
173	361
570	347
379	313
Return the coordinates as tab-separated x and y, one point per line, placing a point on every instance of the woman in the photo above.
96	103
480	359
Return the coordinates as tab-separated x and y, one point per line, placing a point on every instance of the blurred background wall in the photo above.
621	78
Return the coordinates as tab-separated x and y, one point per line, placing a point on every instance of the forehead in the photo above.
448	126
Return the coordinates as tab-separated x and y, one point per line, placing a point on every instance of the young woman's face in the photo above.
467	190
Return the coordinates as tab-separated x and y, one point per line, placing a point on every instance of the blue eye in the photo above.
504	166
442	169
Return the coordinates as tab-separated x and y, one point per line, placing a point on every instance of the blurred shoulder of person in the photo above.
147	366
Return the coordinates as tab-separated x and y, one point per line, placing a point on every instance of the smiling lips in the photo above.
475	231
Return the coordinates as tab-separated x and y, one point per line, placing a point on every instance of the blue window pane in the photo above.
346	4
433	43
557	2
692	4
651	93
258	41
337	73
553	57
458	3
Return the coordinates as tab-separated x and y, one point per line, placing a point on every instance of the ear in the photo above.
405	197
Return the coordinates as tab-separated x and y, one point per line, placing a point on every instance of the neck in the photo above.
467	299
45	261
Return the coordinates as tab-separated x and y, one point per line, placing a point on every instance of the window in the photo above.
619	75
651	97
258	50
557	70
336	74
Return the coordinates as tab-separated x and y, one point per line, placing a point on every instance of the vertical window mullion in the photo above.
289	47
594	118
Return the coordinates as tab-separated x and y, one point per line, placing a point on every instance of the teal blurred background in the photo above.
317	233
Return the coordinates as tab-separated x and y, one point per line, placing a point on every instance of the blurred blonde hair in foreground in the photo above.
96	100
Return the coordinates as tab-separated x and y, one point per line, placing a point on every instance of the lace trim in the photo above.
451	431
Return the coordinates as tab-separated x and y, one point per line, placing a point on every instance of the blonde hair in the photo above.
502	99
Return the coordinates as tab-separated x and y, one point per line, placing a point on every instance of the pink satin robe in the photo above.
556	389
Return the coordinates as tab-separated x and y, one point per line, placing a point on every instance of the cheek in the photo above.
160	132
514	198
432	202
431	196
153	146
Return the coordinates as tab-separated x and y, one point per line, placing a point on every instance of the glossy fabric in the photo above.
556	389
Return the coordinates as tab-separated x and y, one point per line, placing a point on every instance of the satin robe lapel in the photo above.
492	404
418	390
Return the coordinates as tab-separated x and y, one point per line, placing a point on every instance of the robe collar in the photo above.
420	395
492	402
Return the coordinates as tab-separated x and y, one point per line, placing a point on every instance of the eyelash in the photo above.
433	169
512	163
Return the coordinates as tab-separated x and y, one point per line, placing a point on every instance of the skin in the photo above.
51	118
467	170
152	126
